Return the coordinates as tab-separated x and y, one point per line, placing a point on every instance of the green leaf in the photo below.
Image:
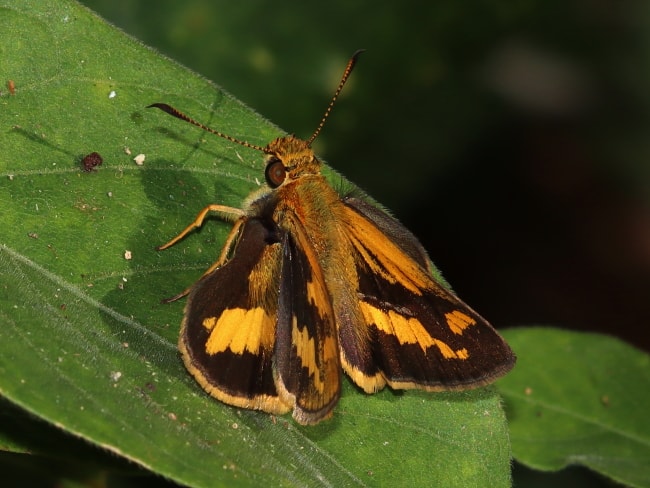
66	458
85	343
577	398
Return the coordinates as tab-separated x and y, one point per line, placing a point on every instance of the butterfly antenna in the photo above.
344	78
180	115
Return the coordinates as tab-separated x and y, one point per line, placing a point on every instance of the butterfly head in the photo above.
289	158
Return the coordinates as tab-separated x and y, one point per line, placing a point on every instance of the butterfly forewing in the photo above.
420	334
307	352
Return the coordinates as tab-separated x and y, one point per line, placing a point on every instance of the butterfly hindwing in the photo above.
421	335
228	333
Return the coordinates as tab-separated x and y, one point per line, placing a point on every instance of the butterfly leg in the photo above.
198	221
223	257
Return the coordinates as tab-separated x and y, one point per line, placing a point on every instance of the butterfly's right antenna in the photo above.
344	78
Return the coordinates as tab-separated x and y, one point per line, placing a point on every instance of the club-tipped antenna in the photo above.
180	115
344	78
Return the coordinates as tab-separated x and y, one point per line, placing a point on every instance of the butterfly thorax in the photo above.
309	210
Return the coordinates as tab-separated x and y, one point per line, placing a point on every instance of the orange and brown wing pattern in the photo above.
228	334
307	352
420	334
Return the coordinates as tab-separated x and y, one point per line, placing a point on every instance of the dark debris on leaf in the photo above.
92	160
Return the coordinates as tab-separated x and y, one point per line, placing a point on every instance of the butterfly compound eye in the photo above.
275	173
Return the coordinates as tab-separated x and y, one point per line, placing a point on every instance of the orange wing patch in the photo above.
240	330
306	351
458	321
408	330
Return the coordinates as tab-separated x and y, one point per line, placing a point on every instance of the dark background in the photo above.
510	136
